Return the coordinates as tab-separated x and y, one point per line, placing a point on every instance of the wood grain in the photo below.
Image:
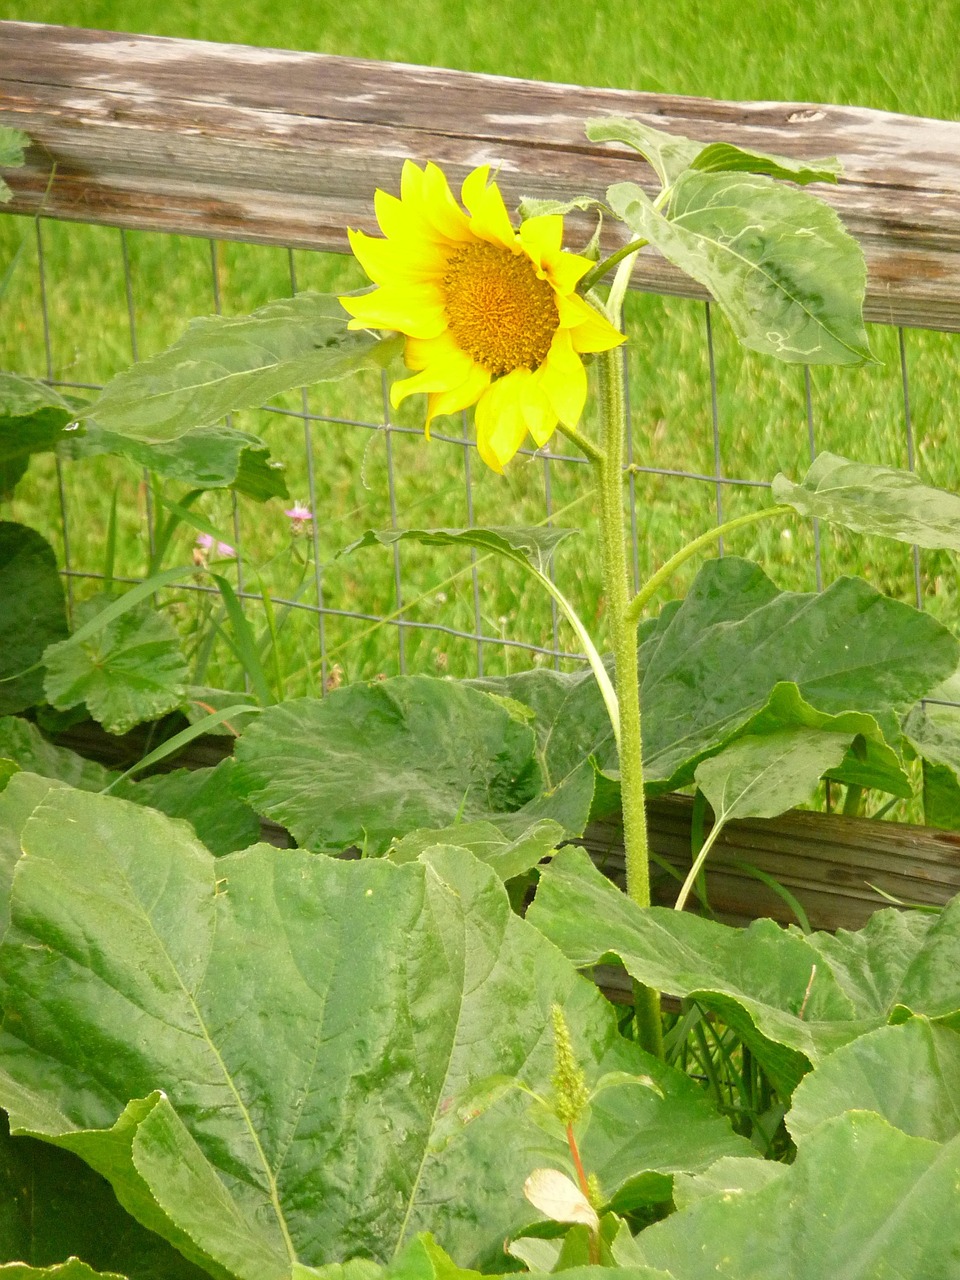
280	147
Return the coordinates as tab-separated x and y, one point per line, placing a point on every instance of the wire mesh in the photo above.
690	450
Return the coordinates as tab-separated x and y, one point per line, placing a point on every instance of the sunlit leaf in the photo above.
786	274
130	670
223	363
877	500
535	544
507	857
32	420
294	1033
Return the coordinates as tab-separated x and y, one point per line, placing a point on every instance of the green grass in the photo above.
851	53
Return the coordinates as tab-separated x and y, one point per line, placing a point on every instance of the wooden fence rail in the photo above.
287	148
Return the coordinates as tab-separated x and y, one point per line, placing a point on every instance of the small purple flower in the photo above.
299	517
223	549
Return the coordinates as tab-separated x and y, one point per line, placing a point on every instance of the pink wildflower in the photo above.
299	517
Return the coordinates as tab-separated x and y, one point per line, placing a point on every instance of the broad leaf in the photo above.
786	274
425	753
72	1269
671	154
204	458
18	800
33	613
878	500
724	157
507	857
128	671
763	776
203	797
311	1023
862	1201
13	143
32	420
54	1207
222	364
909	1074
737	656
534	207
535	545
730	1176
792	998
22	741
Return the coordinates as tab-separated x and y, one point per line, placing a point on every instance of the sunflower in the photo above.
491	315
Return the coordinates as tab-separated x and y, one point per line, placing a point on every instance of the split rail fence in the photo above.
282	148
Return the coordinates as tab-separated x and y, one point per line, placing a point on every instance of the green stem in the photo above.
583	443
663	574
694	871
596	274
614	559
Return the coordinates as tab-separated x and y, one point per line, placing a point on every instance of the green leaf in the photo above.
53	1206
877	500
763	776
18	800
204	458
507	857
738	656
861	1201
32	420
222	364
13	143
730	1176
311	1023
909	1074
532	207
22	741
535	544
33	613
128	671
669	153
792	998
429	752
203	797
73	1269
724	157
786	274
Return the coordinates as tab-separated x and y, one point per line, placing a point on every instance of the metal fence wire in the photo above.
482	619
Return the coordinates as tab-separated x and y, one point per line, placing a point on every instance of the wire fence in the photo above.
405	601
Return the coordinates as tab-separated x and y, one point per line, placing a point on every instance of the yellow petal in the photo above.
500	425
420	352
589	330
488	213
440	208
416	310
387	262
563	379
427	380
542	237
440	403
566	270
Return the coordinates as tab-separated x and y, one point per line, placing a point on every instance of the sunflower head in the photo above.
491	315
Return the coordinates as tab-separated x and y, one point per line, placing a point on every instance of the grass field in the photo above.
852	53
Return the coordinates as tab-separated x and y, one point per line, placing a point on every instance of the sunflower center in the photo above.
498	309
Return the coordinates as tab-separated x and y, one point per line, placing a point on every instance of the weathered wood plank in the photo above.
280	147
827	861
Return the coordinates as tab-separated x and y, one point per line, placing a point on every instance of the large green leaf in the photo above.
671	153
792	998
533	544
72	1269
737	656
54	1207
424	753
786	274
129	670
909	1074
33	613
22	741
32	420
206	799
933	730
863	1201
879	500
18	800
761	776
222	364
507	857
215	457
295	1033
